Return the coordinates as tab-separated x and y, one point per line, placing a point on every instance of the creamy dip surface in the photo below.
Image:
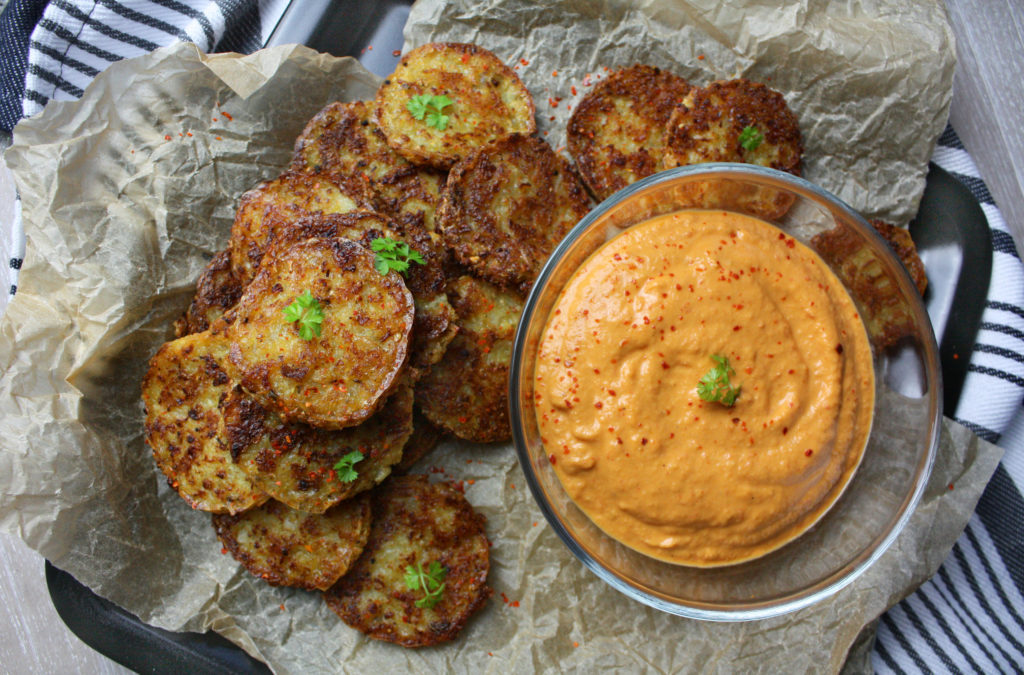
654	465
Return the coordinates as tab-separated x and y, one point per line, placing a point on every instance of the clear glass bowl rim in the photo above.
757	610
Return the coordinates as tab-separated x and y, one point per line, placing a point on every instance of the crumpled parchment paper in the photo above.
130	190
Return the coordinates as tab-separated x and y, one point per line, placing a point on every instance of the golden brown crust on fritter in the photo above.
269	208
416	523
900	242
217	291
425	437
489	103
466	393
342	140
294	463
886	315
434	324
286	547
183	392
706	127
340	378
505	208
617	132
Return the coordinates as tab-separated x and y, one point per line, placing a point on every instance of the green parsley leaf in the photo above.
715	385
750	138
394	255
430	582
430	107
347	474
417	105
307	313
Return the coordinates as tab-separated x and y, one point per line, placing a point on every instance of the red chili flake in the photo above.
215	119
808	452
839	349
735	328
398	52
524	62
218	138
167	137
950	486
735	420
463	419
598	405
575	644
224	550
955	356
554	73
573	89
282	606
643	441
515	603
504	598
700	57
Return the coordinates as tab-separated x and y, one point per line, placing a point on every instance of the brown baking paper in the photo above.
130	190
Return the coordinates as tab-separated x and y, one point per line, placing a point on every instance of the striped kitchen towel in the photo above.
968	618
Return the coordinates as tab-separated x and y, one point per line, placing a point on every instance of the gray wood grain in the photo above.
988	98
34	639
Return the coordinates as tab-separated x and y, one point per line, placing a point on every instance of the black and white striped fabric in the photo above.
968	618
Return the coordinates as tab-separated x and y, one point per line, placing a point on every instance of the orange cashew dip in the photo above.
653	463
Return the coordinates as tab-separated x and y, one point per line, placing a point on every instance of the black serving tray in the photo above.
950	231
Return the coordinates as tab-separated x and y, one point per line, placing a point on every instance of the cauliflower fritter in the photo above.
617	132
294	463
270	207
343	140
340	377
183	392
434	324
416	525
217	291
466	393
488	102
736	121
506	206
425	437
886	316
709	124
285	547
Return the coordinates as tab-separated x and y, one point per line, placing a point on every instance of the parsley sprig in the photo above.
344	466
750	138
307	313
430	582
430	107
715	385
394	255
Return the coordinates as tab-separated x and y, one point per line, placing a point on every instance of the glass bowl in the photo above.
891	478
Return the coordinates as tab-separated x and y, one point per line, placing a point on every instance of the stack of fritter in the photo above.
289	394
312	362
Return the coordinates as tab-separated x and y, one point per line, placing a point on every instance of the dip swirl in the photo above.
656	467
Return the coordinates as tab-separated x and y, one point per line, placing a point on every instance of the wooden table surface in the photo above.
987	102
